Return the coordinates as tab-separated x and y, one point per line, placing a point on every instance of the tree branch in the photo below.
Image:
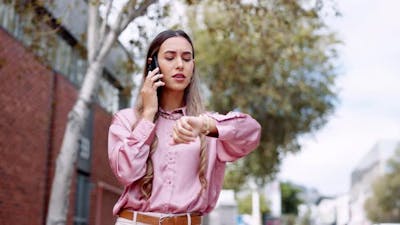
110	37
108	42
114	27
136	13
129	6
120	24
105	22
92	43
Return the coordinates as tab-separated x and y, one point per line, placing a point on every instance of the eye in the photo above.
187	56
169	58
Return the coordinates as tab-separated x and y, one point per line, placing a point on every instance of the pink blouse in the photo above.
176	184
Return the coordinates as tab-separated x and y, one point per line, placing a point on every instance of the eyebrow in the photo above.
174	52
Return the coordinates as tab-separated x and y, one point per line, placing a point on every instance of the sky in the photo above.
369	108
369	98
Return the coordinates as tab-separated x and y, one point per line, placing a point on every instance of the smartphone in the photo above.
153	64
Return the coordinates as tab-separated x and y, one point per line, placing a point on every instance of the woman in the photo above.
168	152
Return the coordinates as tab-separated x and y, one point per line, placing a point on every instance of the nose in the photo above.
179	63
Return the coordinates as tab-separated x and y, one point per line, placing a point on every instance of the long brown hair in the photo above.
194	107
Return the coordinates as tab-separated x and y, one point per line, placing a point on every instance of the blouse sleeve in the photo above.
238	134
128	148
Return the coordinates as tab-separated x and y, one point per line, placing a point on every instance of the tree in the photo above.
272	59
245	204
384	204
99	42
290	198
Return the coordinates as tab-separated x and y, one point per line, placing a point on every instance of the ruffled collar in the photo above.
174	114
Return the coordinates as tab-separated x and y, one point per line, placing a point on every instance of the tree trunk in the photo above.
60	190
59	197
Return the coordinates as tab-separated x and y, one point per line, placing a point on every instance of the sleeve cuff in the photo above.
225	125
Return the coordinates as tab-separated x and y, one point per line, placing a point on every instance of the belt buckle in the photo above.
162	218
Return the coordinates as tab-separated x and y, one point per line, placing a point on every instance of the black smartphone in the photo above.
153	64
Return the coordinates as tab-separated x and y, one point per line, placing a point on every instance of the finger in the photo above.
185	123
183	126
182	131
173	142
158	84
176	139
183	137
151	78
153	72
156	77
148	79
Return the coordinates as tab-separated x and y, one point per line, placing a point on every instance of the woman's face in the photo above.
175	59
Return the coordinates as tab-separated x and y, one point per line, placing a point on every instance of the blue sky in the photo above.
369	108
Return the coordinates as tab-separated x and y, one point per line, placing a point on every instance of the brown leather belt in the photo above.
168	220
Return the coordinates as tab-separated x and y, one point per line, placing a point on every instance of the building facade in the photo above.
39	83
371	166
226	210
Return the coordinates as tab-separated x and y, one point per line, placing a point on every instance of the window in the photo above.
83	188
82	205
58	50
85	146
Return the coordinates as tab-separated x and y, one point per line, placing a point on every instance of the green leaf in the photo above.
272	59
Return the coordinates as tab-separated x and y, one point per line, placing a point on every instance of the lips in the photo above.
179	77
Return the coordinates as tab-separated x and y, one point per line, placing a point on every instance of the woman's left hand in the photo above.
187	129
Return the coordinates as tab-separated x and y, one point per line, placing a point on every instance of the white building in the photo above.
372	165
332	211
225	212
272	193
326	211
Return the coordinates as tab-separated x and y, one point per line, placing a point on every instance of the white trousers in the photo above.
123	221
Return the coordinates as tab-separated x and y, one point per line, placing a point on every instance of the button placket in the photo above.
170	165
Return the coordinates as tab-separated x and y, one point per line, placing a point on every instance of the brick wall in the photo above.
101	171
34	103
64	99
25	87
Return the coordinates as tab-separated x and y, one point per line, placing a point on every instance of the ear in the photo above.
149	60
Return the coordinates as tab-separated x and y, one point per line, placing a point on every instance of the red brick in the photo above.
30	126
